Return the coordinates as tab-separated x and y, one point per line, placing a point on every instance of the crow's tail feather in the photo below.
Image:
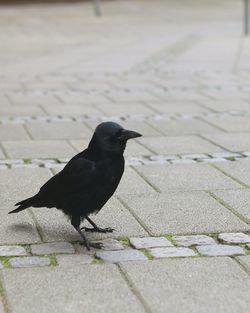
24	204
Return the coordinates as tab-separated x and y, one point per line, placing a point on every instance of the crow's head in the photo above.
112	138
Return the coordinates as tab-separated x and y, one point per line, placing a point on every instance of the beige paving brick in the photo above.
13	132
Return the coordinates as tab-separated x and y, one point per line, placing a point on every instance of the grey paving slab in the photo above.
238	199
32	261
111	294
149	242
13	132
12	250
239	170
18	110
245	260
178	145
33	99
234	238
38	149
220	250
60	130
2	156
73	260
231	123
171	252
71	109
187	241
183	213
191	285
183	127
231	141
54	226
52	248
225	106
121	256
175	106
124	109
111	244
177	177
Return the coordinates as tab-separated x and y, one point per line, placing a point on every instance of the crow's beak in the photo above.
129	134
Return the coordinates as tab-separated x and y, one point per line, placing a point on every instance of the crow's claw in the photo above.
98	230
96	245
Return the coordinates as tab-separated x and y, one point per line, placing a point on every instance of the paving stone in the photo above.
13	132
38	149
111	245
204	177
33	99
237	199
194	156
111	294
183	127
225	106
183	213
12	250
31	261
220	250
231	141
171	252
234	238
2	156
149	242
214	160
18	110
245	260
178	145
121	256
60	130
225	155
197	240
124	109
53	247
231	123
186	284
71	109
175	106
74	260
187	161
54	226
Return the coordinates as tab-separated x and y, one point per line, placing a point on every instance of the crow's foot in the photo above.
98	229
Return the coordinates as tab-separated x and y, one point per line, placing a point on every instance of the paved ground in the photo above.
177	71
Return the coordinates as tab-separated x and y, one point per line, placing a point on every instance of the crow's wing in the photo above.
78	175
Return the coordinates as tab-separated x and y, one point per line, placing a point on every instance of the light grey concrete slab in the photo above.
149	242
234	238
32	261
124	109
245	260
13	132
178	145
171	252
183	213
231	123
193	240
188	285
188	177
59	130
121	256
183	127
33	99
73	260
71	109
111	244
52	248
231	141
175	106
54	226
38	149
220	250
238	199
18	110
12	250
225	106
239	170
91	287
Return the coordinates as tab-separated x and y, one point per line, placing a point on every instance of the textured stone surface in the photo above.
245	260
12	250
53	247
171	252
73	260
121	256
148	242
220	250
111	244
1	307
231	141
32	261
1	266
185	285
178	145
183	213
186	241
13	132
204	177
109	295
234	238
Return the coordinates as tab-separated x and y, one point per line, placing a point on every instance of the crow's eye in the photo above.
118	134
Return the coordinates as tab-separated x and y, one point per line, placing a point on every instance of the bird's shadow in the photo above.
21	228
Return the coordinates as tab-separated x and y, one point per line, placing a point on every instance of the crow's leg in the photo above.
75	221
96	228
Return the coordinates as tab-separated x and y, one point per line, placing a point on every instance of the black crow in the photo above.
87	181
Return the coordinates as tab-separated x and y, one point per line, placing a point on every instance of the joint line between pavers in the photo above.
213	142
238	54
201	118
133	289
141	223
241	264
228	207
38	228
3	295
230	176
146	180
28	132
